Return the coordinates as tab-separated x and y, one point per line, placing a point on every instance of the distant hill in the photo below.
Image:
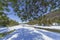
48	19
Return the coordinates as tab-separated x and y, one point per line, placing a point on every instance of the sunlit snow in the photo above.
29	32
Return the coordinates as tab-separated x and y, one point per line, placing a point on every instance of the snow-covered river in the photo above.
24	32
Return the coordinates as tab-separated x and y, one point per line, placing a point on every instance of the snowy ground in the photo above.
50	27
46	35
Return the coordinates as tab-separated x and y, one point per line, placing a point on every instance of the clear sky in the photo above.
12	16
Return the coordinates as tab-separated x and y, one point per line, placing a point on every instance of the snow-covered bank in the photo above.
49	27
13	36
31	30
46	35
55	36
4	29
25	25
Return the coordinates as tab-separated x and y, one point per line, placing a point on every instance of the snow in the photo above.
46	37
14	27
49	27
2	30
31	27
14	36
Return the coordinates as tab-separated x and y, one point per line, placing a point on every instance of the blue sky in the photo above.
12	16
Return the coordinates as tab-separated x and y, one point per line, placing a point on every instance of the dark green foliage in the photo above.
6	33
48	19
12	23
5	21
52	30
29	9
